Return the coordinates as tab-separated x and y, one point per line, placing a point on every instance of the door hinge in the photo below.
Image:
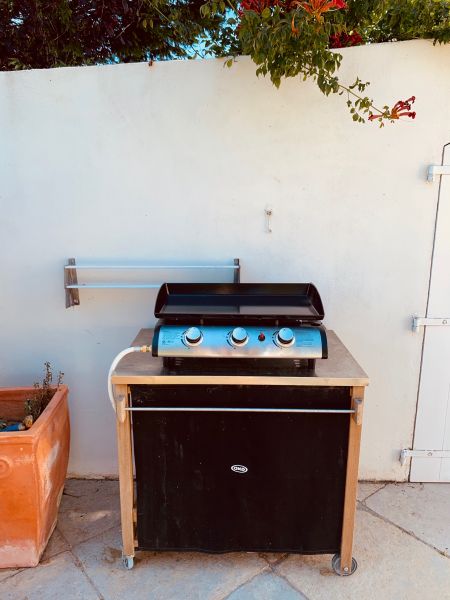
434	170
406	453
427	321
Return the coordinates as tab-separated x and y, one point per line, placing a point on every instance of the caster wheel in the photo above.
128	562
336	564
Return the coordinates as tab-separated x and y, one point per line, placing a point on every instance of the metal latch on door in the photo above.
429	321
406	453
434	170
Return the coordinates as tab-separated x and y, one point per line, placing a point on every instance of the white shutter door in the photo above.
432	430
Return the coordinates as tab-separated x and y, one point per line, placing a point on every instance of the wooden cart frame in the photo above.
340	369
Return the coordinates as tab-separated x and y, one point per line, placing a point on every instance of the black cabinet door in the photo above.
218	481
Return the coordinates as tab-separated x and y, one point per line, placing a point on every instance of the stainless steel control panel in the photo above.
211	341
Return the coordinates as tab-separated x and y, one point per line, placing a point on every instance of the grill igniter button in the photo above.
192	336
239	336
285	337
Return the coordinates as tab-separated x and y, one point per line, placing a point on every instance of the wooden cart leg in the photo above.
345	564
125	454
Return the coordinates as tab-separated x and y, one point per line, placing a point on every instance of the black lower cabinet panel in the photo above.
291	497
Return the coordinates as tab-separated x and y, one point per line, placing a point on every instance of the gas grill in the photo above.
244	439
243	327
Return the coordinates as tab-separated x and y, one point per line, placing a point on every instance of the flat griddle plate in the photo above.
235	301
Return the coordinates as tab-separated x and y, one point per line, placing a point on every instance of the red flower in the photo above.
313	7
402	108
316	8
344	40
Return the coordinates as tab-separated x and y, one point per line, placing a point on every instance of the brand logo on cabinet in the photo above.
239	469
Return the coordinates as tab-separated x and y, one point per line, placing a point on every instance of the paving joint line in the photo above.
369	510
279	560
80	566
46	562
244	583
88	539
19	570
41	561
385	484
69	548
285	579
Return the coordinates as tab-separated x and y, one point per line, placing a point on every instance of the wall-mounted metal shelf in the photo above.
72	285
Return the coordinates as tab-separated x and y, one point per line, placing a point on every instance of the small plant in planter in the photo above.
34	453
33	406
42	396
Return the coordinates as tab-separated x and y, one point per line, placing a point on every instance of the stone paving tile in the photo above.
365	489
392	566
88	508
266	586
56	545
58	579
164	575
421	508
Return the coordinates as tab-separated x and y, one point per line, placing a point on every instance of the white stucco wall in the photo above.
176	163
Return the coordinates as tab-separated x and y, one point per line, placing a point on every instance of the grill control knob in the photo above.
285	336
192	336
239	336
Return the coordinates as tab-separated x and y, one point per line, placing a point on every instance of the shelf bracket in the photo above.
358	410
71	279
237	271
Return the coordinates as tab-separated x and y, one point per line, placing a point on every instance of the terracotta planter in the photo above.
33	466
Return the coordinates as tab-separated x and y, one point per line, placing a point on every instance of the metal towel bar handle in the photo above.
226	409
